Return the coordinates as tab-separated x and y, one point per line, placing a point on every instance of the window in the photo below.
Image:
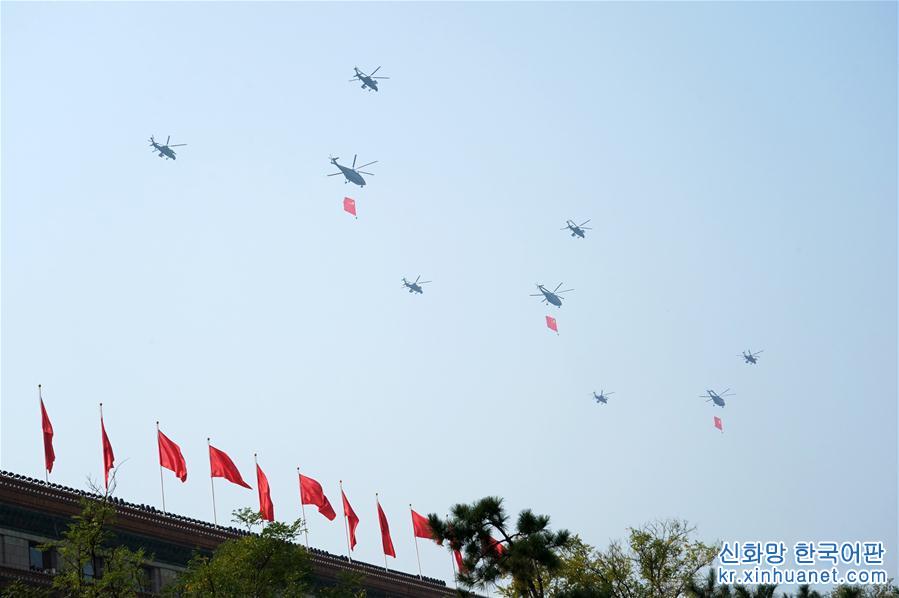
35	557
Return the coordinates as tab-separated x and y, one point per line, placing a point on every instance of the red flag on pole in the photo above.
349	205
458	556
718	423
421	528
221	466
551	324
311	493
386	542
350	514
497	546
266	508
47	428
171	458
108	456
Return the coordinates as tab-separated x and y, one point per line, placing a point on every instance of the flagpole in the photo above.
346	527
378	503
303	509
161	484
212	482
40	399
415	537
103	451
453	560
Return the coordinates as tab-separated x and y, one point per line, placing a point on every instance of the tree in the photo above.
760	591
661	561
576	577
349	585
90	566
262	565
528	554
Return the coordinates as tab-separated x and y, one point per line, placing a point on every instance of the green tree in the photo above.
263	565
89	563
760	591
528	555
349	585
661	561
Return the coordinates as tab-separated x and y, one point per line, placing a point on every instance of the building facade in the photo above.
33	512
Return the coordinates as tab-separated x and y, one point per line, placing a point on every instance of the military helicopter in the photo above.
751	357
551	296
577	230
368	81
165	150
352	174
716	397
602	397
415	286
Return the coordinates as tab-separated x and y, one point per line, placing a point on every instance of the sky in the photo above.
737	162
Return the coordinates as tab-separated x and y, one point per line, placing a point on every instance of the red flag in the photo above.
266	508
386	542
311	493
350	514
718	423
421	528
221	466
551	324
497	546
349	205
170	456
47	427
108	456
458	555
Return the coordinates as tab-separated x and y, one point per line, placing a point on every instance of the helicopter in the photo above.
368	81
577	230
602	397
415	286
551	296
751	357
165	150
352	174
716	397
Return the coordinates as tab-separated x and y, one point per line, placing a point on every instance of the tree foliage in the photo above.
528	554
90	563
263	565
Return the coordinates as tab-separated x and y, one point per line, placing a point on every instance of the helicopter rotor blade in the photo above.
167	139
178	145
364	165
380	77
354	160
557	288
537	295
335	174
363	172
584	222
416	279
424	282
375	71
565	291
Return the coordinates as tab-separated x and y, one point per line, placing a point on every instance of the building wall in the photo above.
34	512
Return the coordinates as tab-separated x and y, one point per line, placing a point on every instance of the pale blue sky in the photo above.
738	162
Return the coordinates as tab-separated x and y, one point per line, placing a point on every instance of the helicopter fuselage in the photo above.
600	398
351	175
750	358
165	151
414	288
551	297
576	231
715	398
